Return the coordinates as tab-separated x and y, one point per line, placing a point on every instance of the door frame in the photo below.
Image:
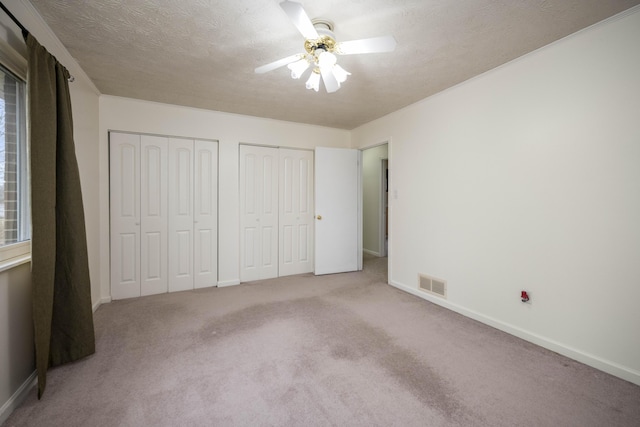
387	141
384	167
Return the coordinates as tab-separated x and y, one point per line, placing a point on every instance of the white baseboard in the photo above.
607	366
226	283
18	397
367	251
99	303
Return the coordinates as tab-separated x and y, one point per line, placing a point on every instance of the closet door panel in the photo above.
258	212
249	214
269	249
305	213
269	217
250	252
180	199
206	214
154	215
288	227
296	212
124	160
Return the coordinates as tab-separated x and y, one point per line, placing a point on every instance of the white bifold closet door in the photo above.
258	213
205	214
138	215
163	214
296	212
124	158
276	212
181	214
193	214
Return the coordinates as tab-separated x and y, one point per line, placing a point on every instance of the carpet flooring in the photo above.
343	349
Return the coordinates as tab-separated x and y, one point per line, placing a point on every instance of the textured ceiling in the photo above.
202	53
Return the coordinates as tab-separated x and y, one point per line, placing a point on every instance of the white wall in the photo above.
17	361
372	198
230	130
84	101
16	330
528	178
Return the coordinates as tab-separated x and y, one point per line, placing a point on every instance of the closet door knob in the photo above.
319	217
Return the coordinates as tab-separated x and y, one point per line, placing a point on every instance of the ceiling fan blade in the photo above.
279	63
372	45
300	19
330	82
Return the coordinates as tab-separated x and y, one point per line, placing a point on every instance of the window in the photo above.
14	187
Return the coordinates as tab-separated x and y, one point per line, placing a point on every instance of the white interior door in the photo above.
296	212
180	261
336	206
153	215
205	224
258	213
125	214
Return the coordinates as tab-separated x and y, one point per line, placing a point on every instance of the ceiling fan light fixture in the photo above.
327	59
314	80
340	73
321	49
298	68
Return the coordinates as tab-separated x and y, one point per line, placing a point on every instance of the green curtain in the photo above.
62	312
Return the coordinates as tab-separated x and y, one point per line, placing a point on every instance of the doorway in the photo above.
375	202
384	212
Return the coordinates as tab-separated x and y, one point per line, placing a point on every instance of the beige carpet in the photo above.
336	350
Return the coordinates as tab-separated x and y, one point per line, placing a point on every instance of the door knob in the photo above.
319	217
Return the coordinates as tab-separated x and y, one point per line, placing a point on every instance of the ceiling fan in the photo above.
321	48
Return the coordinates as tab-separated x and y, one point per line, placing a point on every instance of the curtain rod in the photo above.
14	19
25	32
